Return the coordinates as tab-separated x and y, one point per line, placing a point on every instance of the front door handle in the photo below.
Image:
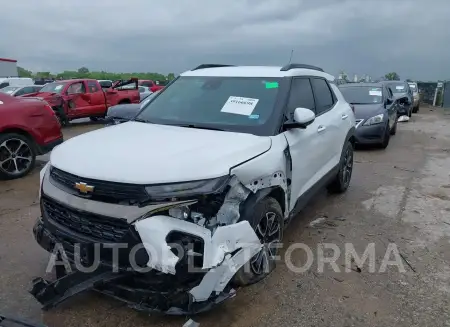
321	128
344	116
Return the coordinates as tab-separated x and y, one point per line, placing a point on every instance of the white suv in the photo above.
207	175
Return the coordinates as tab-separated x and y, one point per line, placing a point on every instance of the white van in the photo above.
15	81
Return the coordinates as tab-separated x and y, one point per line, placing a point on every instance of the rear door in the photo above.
305	145
97	97
391	106
331	119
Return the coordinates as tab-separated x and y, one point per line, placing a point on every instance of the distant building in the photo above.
8	68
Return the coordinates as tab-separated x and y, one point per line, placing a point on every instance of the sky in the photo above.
371	37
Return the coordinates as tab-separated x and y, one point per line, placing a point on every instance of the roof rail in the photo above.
203	66
301	66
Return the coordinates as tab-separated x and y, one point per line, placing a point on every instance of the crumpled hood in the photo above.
141	153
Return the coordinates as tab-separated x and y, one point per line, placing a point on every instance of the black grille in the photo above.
104	191
98	227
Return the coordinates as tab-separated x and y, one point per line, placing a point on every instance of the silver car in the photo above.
144	91
415	90
16	91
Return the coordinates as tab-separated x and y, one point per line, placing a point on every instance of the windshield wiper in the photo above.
200	127
140	120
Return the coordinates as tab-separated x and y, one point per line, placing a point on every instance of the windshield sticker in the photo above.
239	105
375	93
399	87
271	85
255	116
58	87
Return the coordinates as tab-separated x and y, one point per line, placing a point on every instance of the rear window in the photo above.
9	89
398	87
362	94
413	87
161	83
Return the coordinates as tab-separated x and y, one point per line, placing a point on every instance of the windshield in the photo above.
413	87
53	87
362	94
9	89
398	87
228	103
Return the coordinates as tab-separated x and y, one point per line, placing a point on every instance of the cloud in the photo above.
370	36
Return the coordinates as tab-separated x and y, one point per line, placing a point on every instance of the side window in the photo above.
301	95
4	84
76	88
28	90
389	92
20	92
324	97
93	87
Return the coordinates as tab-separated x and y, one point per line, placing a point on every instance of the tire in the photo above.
416	109
266	210
12	146
394	129
410	112
386	138
93	118
341	182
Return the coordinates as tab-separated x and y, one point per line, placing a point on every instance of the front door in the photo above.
78	100
305	145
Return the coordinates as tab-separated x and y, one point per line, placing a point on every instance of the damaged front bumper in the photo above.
161	280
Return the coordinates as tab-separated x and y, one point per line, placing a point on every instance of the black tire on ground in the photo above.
416	109
268	213
342	180
394	129
17	155
386	138
410	112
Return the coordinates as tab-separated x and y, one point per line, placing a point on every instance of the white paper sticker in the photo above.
1	102
58	87
399	87
375	93
240	106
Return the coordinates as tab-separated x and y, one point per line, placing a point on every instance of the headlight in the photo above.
187	189
378	119
41	177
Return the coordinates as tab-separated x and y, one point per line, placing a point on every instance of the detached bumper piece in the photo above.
50	294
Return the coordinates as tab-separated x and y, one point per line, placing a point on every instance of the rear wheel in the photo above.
17	156
342	180
268	223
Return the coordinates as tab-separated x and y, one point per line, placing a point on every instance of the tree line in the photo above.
84	72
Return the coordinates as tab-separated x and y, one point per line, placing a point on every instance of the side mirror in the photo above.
388	101
302	118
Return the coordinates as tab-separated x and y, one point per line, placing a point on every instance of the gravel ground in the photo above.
400	195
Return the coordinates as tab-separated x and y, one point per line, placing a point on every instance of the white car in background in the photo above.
16	91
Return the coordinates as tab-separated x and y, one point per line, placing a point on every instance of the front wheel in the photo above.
268	223
17	156
342	180
386	138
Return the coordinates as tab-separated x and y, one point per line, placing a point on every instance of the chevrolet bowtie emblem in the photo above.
84	188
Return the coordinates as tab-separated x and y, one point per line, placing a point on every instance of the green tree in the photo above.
23	72
171	76
83	70
43	75
393	76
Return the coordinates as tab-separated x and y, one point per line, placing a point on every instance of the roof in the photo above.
361	84
256	71
8	60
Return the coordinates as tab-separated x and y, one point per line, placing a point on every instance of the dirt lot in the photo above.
400	195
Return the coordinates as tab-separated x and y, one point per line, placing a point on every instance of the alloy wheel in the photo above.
16	156
269	233
347	166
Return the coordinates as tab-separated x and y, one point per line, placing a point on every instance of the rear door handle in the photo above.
344	116
321	128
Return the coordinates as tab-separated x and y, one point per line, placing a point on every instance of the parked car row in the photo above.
377	107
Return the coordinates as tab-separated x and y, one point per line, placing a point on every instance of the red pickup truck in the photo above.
81	98
153	85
